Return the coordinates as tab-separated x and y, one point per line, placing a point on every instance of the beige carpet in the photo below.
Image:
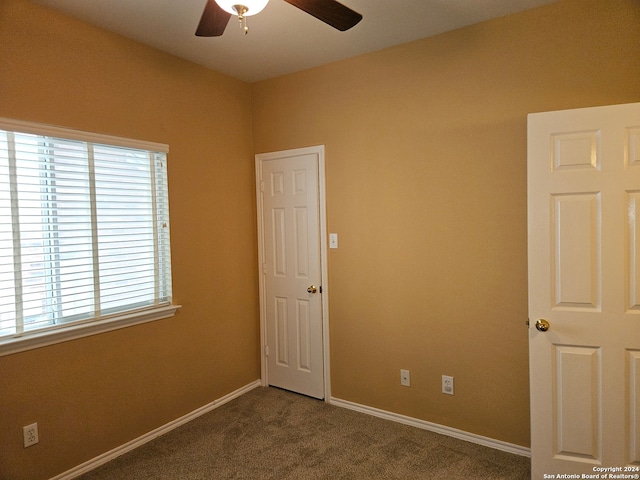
273	434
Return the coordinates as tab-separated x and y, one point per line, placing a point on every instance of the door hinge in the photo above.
261	186
266	350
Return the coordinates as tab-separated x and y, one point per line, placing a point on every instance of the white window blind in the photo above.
84	229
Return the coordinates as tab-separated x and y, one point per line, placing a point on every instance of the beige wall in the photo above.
426	187
91	395
426	178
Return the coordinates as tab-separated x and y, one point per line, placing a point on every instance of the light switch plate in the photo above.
333	240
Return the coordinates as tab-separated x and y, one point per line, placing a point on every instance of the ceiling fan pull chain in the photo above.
243	24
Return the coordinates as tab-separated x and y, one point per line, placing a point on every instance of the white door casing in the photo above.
584	279
292	253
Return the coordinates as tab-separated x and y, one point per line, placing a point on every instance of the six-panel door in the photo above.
291	271
584	279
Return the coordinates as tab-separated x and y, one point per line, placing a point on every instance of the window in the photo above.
84	234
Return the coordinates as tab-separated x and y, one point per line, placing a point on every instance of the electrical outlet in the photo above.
30	434
447	385
405	378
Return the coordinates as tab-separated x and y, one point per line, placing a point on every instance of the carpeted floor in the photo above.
274	434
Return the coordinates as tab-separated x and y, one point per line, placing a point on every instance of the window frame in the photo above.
92	326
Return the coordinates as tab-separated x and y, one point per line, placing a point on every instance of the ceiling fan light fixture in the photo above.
242	7
217	13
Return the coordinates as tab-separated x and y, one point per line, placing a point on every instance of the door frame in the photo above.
318	151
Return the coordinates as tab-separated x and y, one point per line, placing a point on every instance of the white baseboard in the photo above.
135	443
434	427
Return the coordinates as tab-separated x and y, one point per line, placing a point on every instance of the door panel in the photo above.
576	250
583	189
291	263
578	401
632	258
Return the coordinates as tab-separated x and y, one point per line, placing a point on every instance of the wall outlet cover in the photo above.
447	385
30	434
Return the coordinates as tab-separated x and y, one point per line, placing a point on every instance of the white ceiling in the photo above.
282	39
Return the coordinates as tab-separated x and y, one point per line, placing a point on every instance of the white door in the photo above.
584	280
291	278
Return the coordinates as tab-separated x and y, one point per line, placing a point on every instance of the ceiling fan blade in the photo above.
330	12
213	21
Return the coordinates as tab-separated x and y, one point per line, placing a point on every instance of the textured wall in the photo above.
426	186
93	394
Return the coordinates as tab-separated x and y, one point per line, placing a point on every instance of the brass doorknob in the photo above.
312	289
542	325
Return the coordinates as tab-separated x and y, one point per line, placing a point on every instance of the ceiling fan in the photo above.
217	13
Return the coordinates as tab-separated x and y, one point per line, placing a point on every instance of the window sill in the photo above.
10	345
